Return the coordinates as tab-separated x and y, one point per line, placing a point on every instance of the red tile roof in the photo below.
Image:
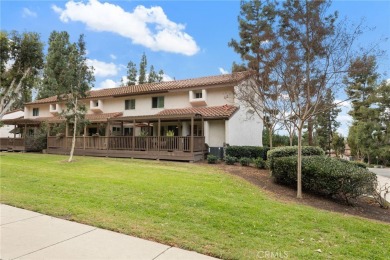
54	119
233	79
90	117
225	111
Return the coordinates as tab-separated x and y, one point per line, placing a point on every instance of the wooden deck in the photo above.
13	144
151	147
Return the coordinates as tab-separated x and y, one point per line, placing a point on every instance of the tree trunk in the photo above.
299	167
73	139
270	138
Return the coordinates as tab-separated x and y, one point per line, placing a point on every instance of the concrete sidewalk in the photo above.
30	235
383	177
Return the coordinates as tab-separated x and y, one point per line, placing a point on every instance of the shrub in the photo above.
244	161
356	163
260	163
36	143
326	175
247	151
212	159
230	160
290	151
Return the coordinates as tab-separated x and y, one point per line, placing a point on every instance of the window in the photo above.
157	102
198	94
35	111
30	132
129	104
96	103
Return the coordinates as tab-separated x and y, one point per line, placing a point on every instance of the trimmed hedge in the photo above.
290	151
247	151
325	175
260	163
357	163
212	159
244	161
230	160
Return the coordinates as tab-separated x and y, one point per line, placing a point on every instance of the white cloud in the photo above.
343	118
28	13
149	27
103	69
112	56
223	71
108	83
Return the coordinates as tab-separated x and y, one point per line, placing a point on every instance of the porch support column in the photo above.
85	133
158	134
122	129
192	134
24	135
108	127
133	141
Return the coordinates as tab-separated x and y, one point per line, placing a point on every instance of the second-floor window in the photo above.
129	104
198	94
35	111
157	102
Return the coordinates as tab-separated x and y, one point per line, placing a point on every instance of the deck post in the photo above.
24	136
108	134
85	133
158	134
192	134
133	141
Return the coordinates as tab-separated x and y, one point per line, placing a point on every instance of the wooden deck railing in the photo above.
7	143
137	143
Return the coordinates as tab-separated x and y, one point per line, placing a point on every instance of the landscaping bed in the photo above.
363	207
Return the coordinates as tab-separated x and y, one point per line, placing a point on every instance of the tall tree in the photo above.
160	76
326	122
78	80
257	47
299	54
131	73
142	69
152	77
56	64
21	63
362	85
70	78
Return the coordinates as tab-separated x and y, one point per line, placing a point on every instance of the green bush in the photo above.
260	163
247	151
356	163
290	151
244	161
230	160
325	175
212	159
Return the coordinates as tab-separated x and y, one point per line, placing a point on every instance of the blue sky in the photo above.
184	38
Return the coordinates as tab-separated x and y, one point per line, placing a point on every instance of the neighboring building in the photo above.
193	112
10	130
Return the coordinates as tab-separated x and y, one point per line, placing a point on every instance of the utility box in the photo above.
217	151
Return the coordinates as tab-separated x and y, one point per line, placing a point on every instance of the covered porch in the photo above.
23	132
178	137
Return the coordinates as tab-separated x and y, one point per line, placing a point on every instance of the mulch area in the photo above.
363	207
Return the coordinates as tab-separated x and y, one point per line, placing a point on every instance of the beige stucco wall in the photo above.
216	133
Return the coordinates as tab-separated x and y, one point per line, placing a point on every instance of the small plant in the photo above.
259	163
212	159
380	194
230	160
170	133
245	161
144	133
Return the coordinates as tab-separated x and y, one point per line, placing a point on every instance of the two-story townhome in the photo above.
177	120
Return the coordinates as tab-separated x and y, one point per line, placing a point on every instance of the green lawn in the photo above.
192	206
